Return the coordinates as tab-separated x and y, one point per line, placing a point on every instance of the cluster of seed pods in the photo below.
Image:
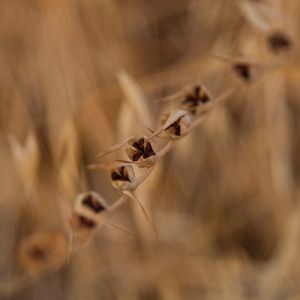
195	103
48	251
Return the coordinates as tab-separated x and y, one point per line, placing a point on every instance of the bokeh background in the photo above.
225	200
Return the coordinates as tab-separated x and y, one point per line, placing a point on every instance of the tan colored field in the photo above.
212	211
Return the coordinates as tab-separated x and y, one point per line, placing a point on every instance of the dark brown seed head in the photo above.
204	98
279	41
242	70
139	145
37	253
120	174
175	128
148	150
199	95
114	175
85	222
193	101
92	203
143	149
43	251
136	156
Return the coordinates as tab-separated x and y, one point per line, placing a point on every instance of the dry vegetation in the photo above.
213	213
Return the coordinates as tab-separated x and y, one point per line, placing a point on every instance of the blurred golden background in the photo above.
225	199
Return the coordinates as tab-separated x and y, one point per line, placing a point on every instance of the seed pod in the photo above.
43	251
245	68
89	206
86	216
81	224
248	71
279	41
176	123
198	96
123	177
141	150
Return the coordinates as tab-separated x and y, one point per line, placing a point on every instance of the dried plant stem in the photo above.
148	218
128	195
117	204
143	177
112	208
166	149
161	153
120	228
114	148
70	246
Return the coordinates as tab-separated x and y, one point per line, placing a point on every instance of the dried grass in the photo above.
199	197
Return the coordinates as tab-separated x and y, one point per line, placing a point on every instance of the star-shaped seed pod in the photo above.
88	215
43	251
141	150
279	41
176	124
87	210
123	177
199	95
245	70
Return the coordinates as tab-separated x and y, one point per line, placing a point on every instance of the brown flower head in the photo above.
43	251
279	41
141	150
176	124
123	177
198	96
